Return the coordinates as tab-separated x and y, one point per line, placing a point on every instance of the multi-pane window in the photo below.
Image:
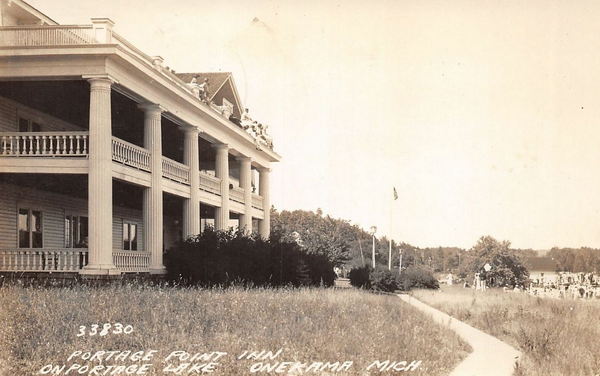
130	237
26	125
76	231
30	228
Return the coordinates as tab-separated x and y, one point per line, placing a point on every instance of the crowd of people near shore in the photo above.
563	285
567	285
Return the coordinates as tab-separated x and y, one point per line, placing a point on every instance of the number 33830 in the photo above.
104	329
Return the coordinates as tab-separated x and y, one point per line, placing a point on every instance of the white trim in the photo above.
241	107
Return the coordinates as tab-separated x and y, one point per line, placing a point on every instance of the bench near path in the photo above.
490	356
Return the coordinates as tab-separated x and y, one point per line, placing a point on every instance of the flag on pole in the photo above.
395	194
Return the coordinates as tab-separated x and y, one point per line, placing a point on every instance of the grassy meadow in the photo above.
39	326
557	337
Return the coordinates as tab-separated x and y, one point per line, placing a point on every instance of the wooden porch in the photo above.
67	260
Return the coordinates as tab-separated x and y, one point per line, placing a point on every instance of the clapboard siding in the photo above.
54	207
10	111
8	218
8	116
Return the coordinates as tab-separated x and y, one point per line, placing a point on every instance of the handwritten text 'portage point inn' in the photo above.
108	157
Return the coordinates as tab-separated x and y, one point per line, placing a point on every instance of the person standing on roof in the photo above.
204	90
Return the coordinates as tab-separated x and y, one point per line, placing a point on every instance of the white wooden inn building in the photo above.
107	157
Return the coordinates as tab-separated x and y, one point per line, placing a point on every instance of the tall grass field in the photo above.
556	337
41	326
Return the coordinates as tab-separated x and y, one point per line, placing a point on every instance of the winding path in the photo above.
490	356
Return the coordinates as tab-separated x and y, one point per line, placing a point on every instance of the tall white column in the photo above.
222	171
191	207
153	196
264	227
246	184
100	260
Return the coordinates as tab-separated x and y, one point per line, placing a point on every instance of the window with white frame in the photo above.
76	231
30	228
130	236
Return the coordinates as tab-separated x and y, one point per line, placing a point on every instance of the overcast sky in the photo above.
483	115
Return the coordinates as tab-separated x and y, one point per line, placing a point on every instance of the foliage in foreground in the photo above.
40	326
221	258
557	337
385	280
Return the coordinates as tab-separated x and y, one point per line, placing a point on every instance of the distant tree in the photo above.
576	260
507	267
317	234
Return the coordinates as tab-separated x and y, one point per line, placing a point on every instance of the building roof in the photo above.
540	264
215	79
220	85
25	13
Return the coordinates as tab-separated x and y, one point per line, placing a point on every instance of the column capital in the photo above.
151	107
100	80
220	146
264	170
243	158
189	129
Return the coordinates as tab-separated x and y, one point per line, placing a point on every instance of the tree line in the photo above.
346	244
576	260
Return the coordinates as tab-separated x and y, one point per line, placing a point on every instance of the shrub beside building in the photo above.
222	258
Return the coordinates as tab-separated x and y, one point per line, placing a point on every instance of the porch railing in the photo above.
175	171
257	201
237	194
47	144
130	154
47	35
131	261
43	260
210	184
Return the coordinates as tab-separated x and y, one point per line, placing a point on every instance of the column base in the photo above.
161	270
99	270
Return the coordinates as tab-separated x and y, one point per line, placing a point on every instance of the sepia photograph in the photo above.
279	187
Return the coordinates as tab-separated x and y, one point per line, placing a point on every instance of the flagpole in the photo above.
394	198
400	264
390	239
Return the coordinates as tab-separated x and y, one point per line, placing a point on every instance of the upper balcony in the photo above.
74	145
70	40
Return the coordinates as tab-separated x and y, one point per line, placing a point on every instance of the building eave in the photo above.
119	54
